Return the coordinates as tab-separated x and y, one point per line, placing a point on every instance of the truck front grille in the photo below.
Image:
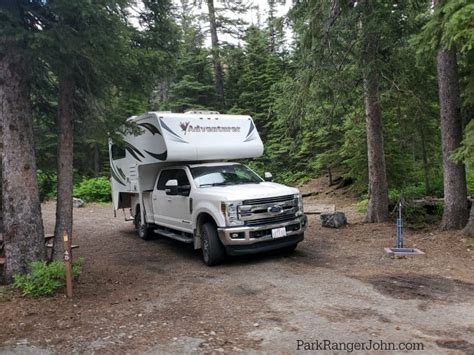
261	201
270	220
259	211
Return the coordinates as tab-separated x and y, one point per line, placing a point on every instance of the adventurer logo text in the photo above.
187	128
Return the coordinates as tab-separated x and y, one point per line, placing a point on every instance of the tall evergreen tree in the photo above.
23	225
192	84
260	72
377	210
455	211
92	50
218	73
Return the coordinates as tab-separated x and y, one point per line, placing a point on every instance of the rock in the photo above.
333	220
77	202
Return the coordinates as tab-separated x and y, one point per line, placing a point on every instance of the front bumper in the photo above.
251	237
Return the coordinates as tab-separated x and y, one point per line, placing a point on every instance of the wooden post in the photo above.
68	264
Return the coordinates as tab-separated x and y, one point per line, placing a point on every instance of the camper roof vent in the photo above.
198	112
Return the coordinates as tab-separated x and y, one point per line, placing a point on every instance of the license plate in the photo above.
279	232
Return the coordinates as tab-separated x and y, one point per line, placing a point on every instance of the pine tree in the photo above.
192	85
260	72
23	225
93	51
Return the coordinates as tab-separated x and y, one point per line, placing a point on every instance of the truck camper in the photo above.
178	178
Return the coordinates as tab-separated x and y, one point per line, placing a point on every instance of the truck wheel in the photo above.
289	249
141	228
213	252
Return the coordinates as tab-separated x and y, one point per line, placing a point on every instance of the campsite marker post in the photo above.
67	264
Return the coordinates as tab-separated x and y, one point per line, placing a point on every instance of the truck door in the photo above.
172	211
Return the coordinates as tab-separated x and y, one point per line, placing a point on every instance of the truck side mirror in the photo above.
268	176
184	190
171	187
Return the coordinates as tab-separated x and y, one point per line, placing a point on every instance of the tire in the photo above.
213	252
142	229
289	249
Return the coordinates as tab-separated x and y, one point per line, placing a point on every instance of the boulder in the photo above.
77	202
333	220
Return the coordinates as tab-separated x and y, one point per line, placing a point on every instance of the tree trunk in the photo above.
65	161
218	76
377	210
23	225
271	25
455	212
426	169
96	159
1	184
469	229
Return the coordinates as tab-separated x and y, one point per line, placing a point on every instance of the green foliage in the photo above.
415	216
192	84
44	278
47	185
470	182
420	217
94	190
362	205
450	25
465	153
306	96
260	71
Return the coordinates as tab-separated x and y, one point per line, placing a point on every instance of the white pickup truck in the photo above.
175	179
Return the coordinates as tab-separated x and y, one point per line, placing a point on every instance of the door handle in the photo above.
154	198
168	199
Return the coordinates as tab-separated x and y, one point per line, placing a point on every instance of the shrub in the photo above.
422	216
45	278
47	185
362	205
470	181
94	190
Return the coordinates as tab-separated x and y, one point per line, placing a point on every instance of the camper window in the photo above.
117	152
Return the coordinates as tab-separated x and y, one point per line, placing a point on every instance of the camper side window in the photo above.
117	152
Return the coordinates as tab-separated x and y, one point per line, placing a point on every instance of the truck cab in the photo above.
177	181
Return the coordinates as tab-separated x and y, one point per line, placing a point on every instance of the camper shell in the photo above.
160	169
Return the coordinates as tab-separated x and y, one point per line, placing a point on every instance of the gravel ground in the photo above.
157	296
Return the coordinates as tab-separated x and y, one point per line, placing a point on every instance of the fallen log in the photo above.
319	208
308	194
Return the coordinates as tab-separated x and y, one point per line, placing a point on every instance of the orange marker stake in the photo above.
68	264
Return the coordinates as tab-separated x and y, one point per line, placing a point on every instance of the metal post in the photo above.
68	264
399	227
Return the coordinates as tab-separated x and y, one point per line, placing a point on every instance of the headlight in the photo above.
231	213
300	211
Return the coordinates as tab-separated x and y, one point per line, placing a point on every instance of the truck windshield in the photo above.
224	175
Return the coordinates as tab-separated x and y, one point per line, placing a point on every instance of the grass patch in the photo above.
362	205
45	278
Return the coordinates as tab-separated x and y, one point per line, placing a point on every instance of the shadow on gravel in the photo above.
422	287
162	248
462	345
299	256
